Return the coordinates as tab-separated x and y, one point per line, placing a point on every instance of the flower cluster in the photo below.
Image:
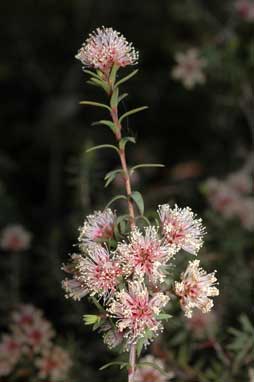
190	68
15	238
233	197
106	47
31	339
129	274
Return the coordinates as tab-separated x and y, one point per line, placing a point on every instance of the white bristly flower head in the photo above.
190	68
181	228
98	227
195	289
106	47
145	254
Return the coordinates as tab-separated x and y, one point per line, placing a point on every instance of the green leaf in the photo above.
107	123
133	111
124	140
163	316
110	176
116	363
92	103
99	83
138	199
91	74
134	168
124	79
91	319
140	345
122	96
115	199
102	147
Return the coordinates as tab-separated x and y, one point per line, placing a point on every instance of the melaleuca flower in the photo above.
106	47
15	238
136	311
195	289
245	9
181	228
148	373
54	363
98	271
145	254
189	68
11	348
98	227
31	328
74	288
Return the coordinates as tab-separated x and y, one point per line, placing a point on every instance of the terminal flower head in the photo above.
181	228
195	289
106	47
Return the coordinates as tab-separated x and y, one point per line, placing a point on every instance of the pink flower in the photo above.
10	352
15	238
195	289
136	311
145	254
54	363
189	68
245	9
148	373
181	228
98	271
74	288
98	227
241	182
106	47
31	328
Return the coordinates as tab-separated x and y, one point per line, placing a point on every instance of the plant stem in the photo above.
122	155
132	362
127	182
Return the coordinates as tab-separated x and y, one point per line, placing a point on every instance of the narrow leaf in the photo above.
114	98
92	103
124	79
134	168
116	363
124	140
133	111
112	172
122	96
138	199
115	199
102	147
91	73
163	316
107	123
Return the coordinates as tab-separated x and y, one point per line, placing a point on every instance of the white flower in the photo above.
181	228
106	47
195	289
15	238
189	68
